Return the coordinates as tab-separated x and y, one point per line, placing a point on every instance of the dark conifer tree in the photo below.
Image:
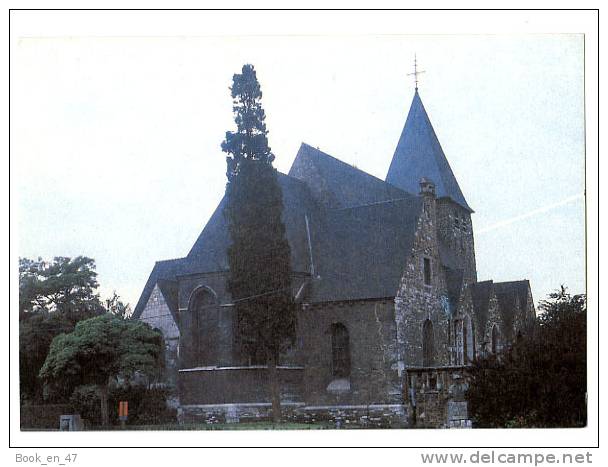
259	254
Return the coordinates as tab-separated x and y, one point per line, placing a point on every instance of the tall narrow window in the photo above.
340	351
427	271
204	328
428	344
495	344
468	343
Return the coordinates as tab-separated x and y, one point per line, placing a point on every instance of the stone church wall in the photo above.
217	335
417	301
494	319
373	356
456	231
237	385
158	315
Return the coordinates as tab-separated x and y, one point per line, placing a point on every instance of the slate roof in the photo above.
360	251
163	270
336	184
208	254
168	289
508	292
419	154
362	228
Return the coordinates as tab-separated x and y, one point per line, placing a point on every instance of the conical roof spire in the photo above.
419	154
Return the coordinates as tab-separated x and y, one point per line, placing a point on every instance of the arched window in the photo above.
204	327
428	344
495	339
340	351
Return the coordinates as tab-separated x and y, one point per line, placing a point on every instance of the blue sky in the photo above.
116	140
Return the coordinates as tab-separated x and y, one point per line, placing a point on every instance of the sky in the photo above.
115	139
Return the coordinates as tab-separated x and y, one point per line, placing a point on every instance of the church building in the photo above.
390	309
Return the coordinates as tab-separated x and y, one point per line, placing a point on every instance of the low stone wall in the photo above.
360	416
345	416
233	413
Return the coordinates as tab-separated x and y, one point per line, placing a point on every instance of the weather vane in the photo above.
416	72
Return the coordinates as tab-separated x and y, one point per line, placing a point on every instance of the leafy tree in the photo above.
259	255
64	284
53	297
35	336
99	350
541	380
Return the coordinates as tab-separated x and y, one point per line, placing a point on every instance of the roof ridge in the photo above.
170	260
513	282
317	150
409	198
482	282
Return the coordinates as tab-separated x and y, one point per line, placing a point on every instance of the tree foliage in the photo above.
250	140
115	306
147	405
541	380
35	336
101	349
53	297
63	284
259	254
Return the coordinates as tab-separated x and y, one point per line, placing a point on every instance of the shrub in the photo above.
147	406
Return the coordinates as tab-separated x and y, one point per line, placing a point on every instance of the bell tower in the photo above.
419	156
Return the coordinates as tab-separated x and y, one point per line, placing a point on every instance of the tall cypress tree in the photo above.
259	254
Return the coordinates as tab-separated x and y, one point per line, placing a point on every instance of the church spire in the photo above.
419	154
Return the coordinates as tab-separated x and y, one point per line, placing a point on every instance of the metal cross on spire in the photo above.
416	72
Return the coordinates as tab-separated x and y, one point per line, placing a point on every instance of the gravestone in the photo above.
70	423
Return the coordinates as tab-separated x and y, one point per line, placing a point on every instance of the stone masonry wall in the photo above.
217	336
456	231
494	319
373	354
436	397
415	301
157	314
464	321
344	416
